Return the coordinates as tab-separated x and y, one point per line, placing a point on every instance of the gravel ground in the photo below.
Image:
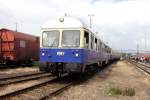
120	74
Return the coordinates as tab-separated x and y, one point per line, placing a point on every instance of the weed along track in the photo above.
116	91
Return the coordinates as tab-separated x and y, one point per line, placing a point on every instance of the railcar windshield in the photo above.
71	38
51	38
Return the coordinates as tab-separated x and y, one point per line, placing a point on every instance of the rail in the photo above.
141	66
50	94
5	95
28	77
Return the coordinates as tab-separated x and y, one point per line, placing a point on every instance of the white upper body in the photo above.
63	22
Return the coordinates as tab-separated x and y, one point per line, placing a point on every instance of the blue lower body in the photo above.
74	59
62	55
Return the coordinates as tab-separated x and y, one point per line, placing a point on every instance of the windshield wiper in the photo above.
53	43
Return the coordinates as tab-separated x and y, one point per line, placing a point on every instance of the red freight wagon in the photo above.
17	46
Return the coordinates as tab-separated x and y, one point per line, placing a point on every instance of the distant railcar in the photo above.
143	57
16	47
67	45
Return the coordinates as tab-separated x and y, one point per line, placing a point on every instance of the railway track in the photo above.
55	92
26	77
6	93
14	75
141	66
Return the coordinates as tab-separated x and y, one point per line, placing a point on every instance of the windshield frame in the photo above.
78	39
58	37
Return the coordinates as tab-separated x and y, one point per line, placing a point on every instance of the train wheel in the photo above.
43	66
82	75
59	75
9	63
69	73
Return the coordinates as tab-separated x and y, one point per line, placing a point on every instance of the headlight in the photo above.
76	54
43	54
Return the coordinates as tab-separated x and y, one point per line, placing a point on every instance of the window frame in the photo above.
58	38
70	30
86	32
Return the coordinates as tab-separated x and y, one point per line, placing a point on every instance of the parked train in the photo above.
68	46
17	47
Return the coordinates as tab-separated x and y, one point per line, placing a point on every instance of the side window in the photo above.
22	43
95	45
100	46
86	39
103	47
92	42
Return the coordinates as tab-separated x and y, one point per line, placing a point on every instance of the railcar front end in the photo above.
61	51
67	45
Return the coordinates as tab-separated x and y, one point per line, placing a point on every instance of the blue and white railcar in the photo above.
66	45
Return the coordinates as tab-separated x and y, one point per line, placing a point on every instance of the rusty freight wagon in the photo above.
17	47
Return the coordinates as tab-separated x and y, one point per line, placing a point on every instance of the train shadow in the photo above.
102	72
79	79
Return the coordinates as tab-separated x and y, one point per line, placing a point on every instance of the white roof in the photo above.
63	22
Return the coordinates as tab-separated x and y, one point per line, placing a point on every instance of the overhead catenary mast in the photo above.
137	49
90	15
16	26
145	42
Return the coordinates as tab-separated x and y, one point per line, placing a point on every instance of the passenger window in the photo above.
99	45
95	44
92	42
103	47
86	39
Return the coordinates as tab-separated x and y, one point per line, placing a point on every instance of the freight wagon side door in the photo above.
24	46
23	50
20	48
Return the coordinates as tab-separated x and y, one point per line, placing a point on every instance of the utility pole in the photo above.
16	24
65	14
90	15
137	49
145	42
121	53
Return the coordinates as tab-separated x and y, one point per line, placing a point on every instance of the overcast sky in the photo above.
121	23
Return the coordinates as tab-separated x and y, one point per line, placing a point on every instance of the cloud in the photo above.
122	23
